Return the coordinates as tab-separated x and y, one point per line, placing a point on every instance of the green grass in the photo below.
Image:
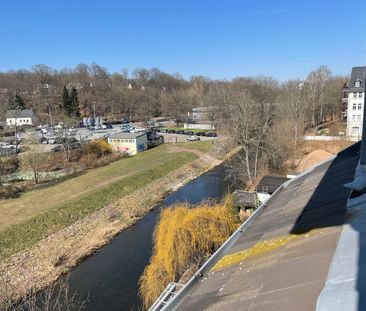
203	146
41	219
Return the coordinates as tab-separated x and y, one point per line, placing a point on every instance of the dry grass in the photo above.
43	263
40	200
184	237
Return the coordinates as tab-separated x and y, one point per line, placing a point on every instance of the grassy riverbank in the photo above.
38	250
41	212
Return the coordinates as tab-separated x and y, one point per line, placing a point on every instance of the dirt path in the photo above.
203	156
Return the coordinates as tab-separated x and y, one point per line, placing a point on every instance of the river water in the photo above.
108	280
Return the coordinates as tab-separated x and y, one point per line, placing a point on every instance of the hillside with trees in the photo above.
266	117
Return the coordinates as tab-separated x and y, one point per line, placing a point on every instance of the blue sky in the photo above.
219	39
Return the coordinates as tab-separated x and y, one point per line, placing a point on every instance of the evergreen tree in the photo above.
16	102
66	102
74	103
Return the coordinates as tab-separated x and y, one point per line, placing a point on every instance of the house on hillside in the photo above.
201	118
20	117
356	97
131	143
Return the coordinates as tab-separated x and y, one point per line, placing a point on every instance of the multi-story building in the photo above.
344	102
356	95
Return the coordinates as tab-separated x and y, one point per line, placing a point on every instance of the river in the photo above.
108	280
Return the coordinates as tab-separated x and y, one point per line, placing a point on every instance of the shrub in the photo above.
99	147
11	164
184	237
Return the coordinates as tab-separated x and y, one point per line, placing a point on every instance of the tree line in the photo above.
266	117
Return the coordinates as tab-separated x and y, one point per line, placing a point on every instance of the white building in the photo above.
20	117
356	97
131	143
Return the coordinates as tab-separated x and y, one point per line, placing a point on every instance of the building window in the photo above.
359	94
358	83
359	118
355	129
354	106
354	95
353	118
359	106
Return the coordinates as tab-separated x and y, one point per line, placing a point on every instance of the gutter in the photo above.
177	299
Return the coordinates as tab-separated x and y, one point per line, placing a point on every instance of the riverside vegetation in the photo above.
184	238
43	240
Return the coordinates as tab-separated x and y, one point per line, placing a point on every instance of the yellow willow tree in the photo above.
184	238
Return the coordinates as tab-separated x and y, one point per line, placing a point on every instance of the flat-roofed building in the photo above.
131	143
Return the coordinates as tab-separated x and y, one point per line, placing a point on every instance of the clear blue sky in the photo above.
219	39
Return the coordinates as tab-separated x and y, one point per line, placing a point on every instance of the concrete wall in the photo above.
198	126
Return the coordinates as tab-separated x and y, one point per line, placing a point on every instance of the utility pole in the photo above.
49	112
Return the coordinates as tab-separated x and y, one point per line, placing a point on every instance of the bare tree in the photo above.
315	85
246	122
293	109
34	161
56	297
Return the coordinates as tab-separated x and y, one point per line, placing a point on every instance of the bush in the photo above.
11	164
9	192
184	238
99	147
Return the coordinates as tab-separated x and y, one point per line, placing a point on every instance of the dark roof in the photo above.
358	73
271	183
127	135
285	249
245	198
26	113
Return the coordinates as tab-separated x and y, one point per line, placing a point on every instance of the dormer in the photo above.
358	83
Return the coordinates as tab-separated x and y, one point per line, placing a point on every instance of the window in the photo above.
355	129
131	140
359	106
354	95
359	94
354	107
358	83
353	118
359	118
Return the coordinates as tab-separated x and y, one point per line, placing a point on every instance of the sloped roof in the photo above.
279	259
271	183
26	113
358	73
245	198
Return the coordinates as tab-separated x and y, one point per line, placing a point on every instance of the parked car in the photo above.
180	132
212	134
171	131
201	134
193	138
57	149
107	126
190	133
59	140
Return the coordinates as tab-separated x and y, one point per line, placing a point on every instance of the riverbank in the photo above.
56	254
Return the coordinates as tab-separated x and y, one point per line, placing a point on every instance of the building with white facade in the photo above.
130	143
356	96
20	117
